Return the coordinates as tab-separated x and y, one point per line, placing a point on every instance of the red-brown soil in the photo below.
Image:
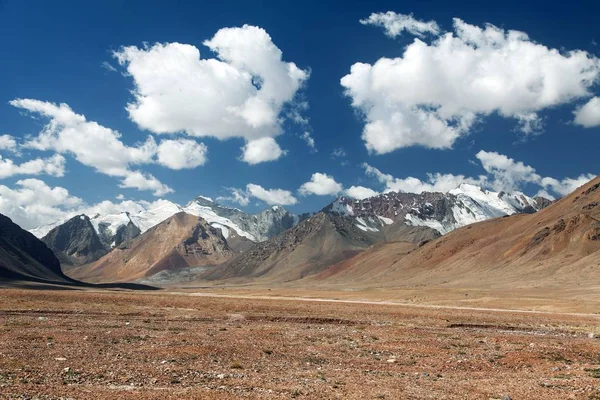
126	345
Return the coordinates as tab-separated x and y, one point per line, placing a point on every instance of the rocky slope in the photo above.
181	242
255	227
558	246
76	242
83	239
308	248
25	257
443	212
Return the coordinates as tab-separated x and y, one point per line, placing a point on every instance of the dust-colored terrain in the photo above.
108	345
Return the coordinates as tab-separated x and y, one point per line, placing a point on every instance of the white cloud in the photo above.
395	24
53	166
108	66
33	203
92	144
438	91
271	196
241	93
567	185
8	143
238	196
435	182
310	141
507	173
360	192
588	115
320	185
544	193
261	150
503	174
141	181
181	153
120	197
338	153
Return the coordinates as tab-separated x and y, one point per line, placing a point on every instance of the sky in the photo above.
116	105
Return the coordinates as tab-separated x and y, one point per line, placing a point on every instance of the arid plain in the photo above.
236	343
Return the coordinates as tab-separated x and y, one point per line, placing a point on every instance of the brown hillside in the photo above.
308	248
557	246
182	241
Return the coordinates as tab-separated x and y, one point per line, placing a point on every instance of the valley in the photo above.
70	344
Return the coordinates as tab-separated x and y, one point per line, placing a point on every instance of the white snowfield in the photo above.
212	218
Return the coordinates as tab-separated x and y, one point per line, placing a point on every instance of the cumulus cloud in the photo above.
503	174
238	196
437	92
92	144
321	185
53	166
241	93
435	182
588	115
181	153
142	181
360	192
395	24
269	196
33	203
261	150
8	143
567	185
507	173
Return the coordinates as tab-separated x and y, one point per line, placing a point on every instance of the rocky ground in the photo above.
106	345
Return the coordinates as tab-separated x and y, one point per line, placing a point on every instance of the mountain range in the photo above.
273	239
467	237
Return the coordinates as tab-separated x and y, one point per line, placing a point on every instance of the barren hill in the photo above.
309	248
25	257
555	247
182	241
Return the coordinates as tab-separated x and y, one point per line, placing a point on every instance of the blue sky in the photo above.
520	115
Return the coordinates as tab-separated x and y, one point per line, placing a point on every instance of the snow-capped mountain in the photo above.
256	227
443	212
93	236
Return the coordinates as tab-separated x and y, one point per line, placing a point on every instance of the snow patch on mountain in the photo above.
160	211
212	217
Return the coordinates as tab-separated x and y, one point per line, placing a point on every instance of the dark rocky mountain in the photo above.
443	212
25	257
76	242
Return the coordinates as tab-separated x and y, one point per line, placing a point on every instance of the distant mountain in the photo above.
84	239
308	248
25	257
255	227
558	246
76	242
347	227
181	242
443	212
